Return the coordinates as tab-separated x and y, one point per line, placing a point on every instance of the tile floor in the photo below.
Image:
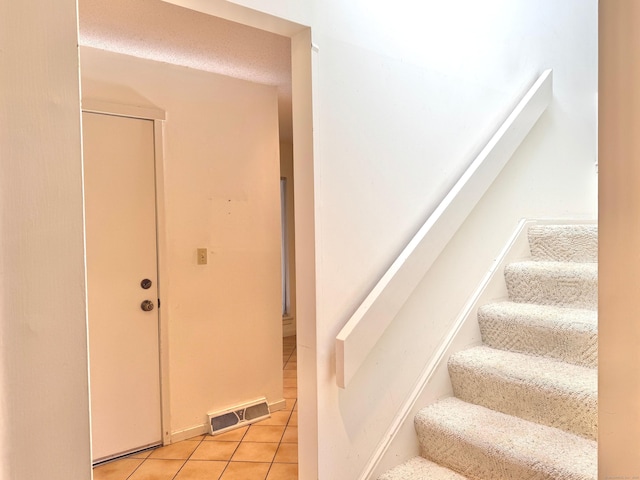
267	450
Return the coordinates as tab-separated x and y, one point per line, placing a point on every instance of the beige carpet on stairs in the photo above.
525	402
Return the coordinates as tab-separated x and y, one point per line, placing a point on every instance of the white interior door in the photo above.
119	182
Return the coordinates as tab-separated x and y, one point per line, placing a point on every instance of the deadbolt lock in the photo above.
146	283
147	305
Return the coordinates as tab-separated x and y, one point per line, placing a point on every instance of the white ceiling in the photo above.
160	31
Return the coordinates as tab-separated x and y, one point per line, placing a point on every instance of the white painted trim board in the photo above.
378	310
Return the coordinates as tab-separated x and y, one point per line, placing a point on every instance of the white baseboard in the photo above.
189	433
203	429
279	405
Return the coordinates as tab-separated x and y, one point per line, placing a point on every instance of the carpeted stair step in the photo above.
537	389
567	284
419	468
566	334
564	243
483	444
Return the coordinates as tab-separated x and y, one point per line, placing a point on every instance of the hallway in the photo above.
267	450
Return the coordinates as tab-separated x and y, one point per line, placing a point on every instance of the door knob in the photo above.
147	305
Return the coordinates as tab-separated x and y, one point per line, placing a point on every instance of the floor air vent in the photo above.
239	416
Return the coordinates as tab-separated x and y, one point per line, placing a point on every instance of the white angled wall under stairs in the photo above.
525	402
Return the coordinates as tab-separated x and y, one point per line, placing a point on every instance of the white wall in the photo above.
221	188
44	401
405	95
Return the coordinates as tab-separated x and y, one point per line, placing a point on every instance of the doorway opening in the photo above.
98	27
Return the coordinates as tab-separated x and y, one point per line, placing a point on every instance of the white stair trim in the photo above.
491	287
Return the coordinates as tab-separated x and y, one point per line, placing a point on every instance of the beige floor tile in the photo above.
245	471
291	366
201	470
153	469
294	416
289	374
290	392
214	451
290	435
281	417
234	435
259	433
289	404
255	452
175	451
283	471
197	438
290	382
287	453
118	470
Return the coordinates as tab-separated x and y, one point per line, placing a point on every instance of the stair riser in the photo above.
577	346
475	462
552	288
565	243
568	411
420	468
483	444
478	462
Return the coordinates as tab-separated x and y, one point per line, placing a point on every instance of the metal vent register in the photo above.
239	416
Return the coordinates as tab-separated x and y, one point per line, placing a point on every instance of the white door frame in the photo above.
157	116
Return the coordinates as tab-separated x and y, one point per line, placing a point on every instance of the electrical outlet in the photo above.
202	256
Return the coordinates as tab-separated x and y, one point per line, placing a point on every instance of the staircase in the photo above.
525	402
